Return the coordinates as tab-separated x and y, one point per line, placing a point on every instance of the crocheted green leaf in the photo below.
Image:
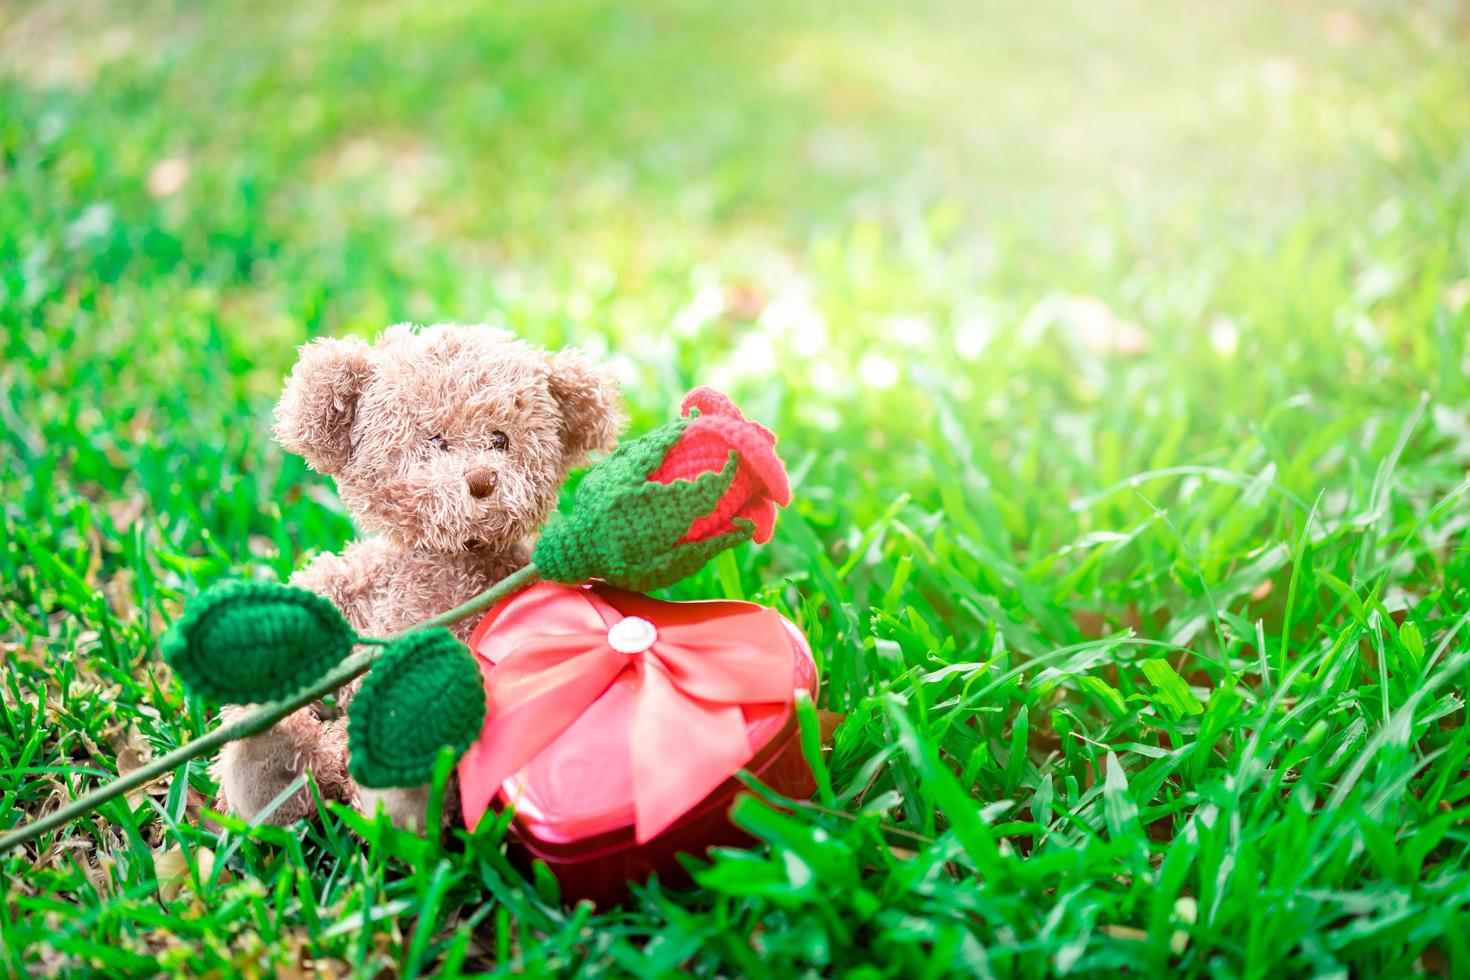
246	642
683	560
424	694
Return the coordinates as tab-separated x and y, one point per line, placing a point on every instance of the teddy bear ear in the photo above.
591	406
315	413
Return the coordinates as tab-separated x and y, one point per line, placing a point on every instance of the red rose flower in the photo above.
664	504
760	484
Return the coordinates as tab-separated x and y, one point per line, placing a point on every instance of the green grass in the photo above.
1119	352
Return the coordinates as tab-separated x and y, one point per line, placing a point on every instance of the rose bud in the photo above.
661	506
759	486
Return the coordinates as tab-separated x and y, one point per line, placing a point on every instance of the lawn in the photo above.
1118	351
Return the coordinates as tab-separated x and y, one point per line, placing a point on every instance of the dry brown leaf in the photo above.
118	591
1089	622
827	722
133	753
1433	962
171	868
86	856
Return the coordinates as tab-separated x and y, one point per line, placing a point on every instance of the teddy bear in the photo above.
450	444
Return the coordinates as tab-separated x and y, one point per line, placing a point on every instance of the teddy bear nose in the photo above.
481	481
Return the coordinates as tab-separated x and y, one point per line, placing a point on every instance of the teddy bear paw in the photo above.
254	772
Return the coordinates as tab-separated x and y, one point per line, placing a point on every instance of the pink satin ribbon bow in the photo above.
546	657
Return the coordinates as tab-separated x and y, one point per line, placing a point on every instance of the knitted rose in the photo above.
661	506
718	430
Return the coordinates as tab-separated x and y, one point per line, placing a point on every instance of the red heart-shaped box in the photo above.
616	723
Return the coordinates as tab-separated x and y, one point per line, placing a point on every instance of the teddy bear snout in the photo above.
481	481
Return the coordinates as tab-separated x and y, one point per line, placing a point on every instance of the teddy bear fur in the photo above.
449	444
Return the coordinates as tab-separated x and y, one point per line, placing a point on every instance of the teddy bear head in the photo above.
448	437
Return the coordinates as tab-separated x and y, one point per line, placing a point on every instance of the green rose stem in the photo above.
263	716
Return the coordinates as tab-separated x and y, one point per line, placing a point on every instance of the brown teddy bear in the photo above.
451	443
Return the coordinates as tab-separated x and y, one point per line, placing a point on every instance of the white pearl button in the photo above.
632	634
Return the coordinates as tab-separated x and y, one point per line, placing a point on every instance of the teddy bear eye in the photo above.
439	443
499	440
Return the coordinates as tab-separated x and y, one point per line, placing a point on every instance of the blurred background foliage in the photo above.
1099	337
